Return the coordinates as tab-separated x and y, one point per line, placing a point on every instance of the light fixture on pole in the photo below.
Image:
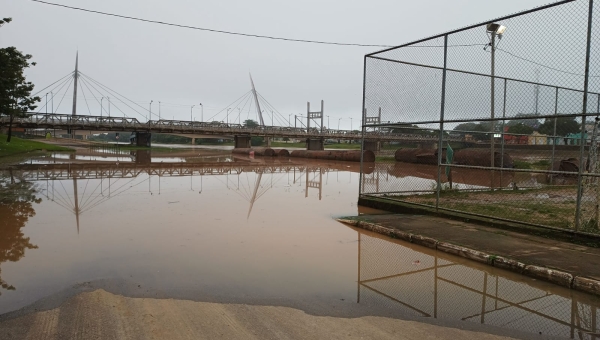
101	99
494	30
201	112
191	110
339	120
150	111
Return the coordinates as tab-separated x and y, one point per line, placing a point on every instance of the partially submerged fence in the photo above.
521	93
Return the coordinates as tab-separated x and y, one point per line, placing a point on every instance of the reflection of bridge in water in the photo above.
95	183
427	283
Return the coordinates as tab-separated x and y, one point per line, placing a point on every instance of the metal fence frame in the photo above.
373	124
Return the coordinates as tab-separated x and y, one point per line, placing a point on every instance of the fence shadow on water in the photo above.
514	105
428	283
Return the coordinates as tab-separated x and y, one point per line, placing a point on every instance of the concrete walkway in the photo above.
101	315
577	260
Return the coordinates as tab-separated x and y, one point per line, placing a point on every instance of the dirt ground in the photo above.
102	315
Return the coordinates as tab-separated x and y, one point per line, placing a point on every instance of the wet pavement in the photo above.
210	227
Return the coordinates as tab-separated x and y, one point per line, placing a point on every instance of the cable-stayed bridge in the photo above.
141	121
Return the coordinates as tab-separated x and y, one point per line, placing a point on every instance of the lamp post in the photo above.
350	123
101	99
159	110
46	102
290	120
150	111
108	106
201	112
52	100
272	124
328	126
339	123
493	30
227	119
191	110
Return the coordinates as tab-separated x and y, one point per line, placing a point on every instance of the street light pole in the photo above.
201	112
272	124
328	126
227	119
350	123
108	106
159	110
150	114
52	100
101	99
290	120
191	110
46	102
339	123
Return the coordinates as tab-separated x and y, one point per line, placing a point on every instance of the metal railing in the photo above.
103	123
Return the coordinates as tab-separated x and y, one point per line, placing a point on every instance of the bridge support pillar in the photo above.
193	141
315	144
242	142
142	139
372	145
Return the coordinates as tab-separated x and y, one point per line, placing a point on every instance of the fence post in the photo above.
502	132
441	138
554	135
583	116
362	139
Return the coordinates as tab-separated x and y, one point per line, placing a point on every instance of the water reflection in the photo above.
433	284
80	187
17	197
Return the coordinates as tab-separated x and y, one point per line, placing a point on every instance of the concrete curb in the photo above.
554	276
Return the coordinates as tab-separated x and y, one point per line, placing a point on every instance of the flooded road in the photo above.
214	228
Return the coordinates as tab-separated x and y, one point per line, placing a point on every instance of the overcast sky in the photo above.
182	67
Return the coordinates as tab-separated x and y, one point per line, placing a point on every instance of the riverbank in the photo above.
102	315
23	146
560	262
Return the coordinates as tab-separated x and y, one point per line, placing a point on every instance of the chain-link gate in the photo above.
512	104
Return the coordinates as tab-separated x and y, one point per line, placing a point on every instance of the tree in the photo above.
520	129
564	126
16	198
250	123
15	91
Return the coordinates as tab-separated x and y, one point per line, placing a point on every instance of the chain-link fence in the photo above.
513	103
427	283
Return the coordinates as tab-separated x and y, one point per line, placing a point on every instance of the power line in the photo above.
210	29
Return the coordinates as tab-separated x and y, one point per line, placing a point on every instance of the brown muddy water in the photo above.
211	227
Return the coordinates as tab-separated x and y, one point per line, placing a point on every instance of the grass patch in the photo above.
521	164
389	159
20	146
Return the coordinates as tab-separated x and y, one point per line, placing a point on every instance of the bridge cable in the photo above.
119	99
70	74
85	99
63	97
53	93
111	92
115	105
106	88
85	82
269	104
235	101
210	29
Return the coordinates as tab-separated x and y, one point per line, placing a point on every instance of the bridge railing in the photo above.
115	123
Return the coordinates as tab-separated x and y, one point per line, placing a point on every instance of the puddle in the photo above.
248	231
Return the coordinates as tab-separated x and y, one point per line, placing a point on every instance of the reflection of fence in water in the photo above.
429	284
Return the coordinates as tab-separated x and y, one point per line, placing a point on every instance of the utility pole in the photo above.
159	110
